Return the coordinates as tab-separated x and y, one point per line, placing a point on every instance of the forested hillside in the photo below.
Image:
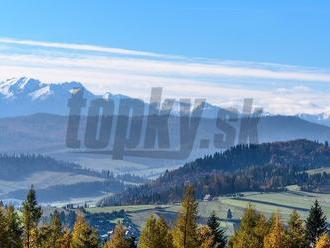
264	167
16	167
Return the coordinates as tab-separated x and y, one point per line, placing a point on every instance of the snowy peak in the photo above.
13	87
24	96
34	89
321	118
67	86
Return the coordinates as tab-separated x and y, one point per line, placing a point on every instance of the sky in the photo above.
277	52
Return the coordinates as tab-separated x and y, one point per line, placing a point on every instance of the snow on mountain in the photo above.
13	87
34	89
321	118
24	96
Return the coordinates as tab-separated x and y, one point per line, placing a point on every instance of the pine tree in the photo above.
48	235
56	230
84	236
41	237
31	214
3	233
323	242
206	238
185	234
13	228
262	229
164	233
296	232
253	229
35	238
149	236
316	224
219	238
65	240
229	214
277	236
132	242
118	239
156	234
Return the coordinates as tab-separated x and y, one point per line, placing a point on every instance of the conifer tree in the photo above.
156	234
56	230
229	214
132	242
253	229
31	214
323	242
296	232
185	231
48	235
206	238
262	229
65	240
118	239
219	238
41	237
84	236
277	236
35	238
13	228
316	224
149	236
164	232
3	233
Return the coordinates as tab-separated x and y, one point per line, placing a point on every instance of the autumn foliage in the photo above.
25	230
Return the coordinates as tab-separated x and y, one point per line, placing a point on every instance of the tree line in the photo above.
254	178
263	167
18	230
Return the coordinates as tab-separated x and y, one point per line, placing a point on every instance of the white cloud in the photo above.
277	88
82	47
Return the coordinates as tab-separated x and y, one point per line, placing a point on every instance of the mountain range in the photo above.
33	119
27	96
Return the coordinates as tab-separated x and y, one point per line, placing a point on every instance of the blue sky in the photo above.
289	32
277	52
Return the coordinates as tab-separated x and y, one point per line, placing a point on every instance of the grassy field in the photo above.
131	208
267	203
44	179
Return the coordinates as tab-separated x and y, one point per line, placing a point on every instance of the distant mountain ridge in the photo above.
45	134
33	119
27	96
321	118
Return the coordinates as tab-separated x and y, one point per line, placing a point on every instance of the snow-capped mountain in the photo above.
24	96
322	118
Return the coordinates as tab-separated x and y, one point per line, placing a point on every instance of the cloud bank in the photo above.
279	89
